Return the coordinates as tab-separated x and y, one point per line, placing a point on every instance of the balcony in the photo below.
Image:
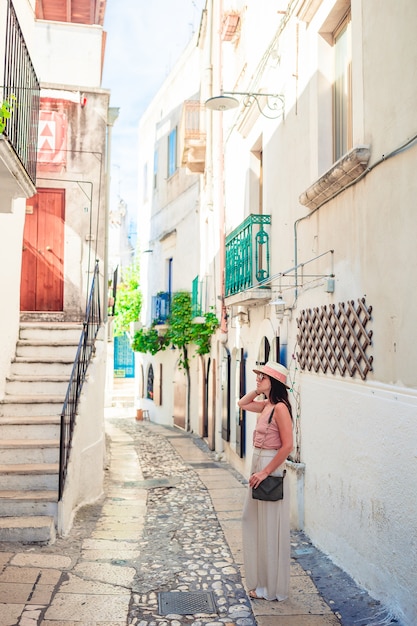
193	137
248	262
161	307
18	142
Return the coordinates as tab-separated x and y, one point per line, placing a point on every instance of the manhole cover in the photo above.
184	603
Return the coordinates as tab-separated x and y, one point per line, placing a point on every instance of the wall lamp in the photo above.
279	304
273	103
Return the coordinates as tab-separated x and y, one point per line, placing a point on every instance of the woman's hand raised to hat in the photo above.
248	402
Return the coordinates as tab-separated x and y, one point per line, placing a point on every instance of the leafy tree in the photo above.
128	299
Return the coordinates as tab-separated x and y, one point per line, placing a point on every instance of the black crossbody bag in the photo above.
272	488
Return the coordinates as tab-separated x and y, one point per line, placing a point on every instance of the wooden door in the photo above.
180	397
211	404
42	281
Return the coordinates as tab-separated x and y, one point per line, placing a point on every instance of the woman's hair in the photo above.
278	393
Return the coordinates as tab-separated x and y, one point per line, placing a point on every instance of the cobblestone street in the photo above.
163	548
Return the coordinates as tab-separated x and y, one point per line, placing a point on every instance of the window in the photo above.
342	89
155	169
149	384
145	182
172	152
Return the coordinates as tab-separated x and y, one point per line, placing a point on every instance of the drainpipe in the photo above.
222	217
112	115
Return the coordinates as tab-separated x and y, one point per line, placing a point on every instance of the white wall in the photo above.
360	481
11	240
358	438
68	54
84	482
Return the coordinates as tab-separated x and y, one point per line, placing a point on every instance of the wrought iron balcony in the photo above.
193	136
20	86
161	307
247	258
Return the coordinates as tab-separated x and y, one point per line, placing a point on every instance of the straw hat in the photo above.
274	370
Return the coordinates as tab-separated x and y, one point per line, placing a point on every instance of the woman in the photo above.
266	525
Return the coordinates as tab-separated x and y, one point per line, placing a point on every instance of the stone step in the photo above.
47	366
30	385
30	427
28	503
34	529
31	476
49	331
61	349
31	405
29	451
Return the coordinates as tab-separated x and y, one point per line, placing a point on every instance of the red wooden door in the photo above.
42	281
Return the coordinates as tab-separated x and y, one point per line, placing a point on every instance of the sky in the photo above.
144	40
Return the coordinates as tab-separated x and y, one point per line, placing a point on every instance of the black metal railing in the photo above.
21	89
86	347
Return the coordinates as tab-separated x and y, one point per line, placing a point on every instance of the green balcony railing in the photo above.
196	298
247	254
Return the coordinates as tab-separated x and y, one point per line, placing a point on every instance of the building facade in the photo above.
305	215
54	214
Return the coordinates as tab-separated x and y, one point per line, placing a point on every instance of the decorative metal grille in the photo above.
336	339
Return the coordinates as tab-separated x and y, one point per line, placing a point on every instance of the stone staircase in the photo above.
30	430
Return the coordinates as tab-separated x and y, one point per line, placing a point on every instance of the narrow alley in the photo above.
163	548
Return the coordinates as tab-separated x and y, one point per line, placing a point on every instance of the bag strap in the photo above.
266	432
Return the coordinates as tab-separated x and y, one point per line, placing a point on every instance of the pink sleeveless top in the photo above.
272	440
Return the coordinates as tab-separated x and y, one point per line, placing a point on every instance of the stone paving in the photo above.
168	523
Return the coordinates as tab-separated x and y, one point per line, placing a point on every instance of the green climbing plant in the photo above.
148	340
128	300
181	331
6	109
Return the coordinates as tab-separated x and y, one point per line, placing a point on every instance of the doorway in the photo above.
42	279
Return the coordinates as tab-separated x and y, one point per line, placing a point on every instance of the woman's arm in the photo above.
283	420
248	402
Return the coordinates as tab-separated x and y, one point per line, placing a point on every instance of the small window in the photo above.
149	384
145	182
172	152
342	89
155	169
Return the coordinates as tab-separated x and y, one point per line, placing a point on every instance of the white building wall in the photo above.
169	220
11	223
358	446
11	240
356	436
54	41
